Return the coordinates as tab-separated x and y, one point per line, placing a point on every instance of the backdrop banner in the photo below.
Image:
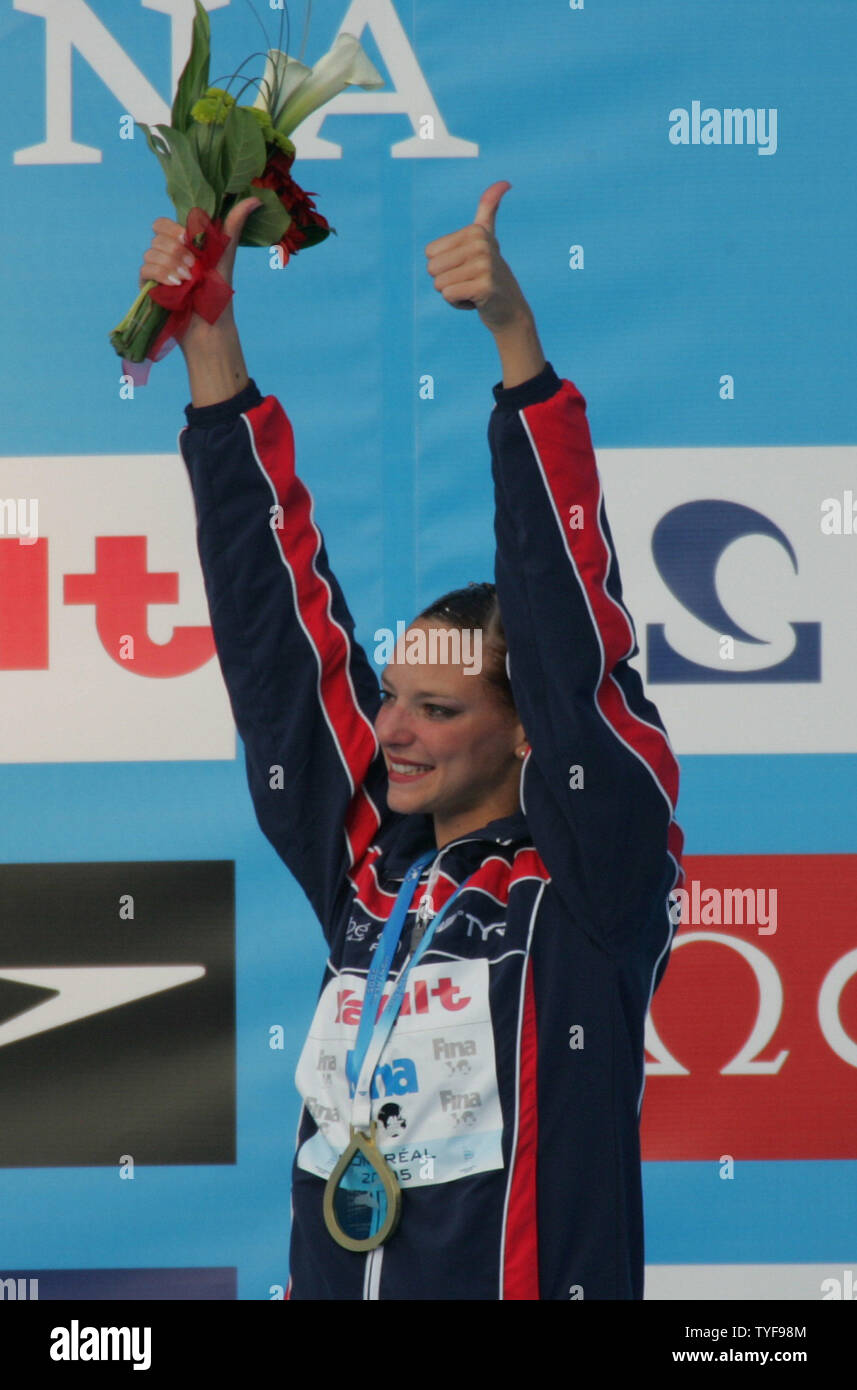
681	220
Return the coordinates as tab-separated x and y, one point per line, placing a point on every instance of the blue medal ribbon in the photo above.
372	1033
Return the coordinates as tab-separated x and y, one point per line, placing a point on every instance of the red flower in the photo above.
307	226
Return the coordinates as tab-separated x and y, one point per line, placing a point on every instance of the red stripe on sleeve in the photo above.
361	823
299	542
571	479
364	880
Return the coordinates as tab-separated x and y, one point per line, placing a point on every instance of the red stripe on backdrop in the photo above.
521	1250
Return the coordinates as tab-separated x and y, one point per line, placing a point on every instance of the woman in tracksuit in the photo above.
502	1082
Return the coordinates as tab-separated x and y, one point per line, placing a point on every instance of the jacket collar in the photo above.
415	834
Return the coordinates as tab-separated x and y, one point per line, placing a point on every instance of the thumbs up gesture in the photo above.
469	271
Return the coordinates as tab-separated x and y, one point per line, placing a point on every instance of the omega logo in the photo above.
746	1061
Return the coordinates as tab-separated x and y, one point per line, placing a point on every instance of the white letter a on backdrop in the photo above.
411	95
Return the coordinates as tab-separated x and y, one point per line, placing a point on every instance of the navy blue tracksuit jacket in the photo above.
509	1093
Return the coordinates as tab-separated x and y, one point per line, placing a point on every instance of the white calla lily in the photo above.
344	65
283	75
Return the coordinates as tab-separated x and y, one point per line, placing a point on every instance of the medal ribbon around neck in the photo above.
372	1035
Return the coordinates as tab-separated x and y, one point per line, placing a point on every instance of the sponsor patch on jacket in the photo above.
434	1096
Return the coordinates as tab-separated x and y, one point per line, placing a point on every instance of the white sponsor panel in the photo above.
755	583
88	705
777	1282
435	1099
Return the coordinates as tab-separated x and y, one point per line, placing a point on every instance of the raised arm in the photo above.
303	693
600	784
470	273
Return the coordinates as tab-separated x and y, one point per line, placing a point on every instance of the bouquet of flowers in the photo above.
216	152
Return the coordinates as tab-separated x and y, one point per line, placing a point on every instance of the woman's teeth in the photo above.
410	769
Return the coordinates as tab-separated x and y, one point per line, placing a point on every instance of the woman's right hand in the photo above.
168	258
167	261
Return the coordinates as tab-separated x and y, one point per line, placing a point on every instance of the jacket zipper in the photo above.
372	1275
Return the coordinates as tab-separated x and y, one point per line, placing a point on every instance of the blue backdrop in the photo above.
701	263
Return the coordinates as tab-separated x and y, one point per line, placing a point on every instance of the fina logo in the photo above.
397	1078
687	545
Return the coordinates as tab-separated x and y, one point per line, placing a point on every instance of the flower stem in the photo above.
135	307
133	337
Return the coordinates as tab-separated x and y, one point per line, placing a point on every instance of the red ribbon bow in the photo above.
206	293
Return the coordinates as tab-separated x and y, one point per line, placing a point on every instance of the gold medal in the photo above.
365	1213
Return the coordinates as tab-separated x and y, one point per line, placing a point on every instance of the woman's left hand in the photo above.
469	271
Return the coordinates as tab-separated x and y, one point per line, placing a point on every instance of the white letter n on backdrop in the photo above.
411	95
72	24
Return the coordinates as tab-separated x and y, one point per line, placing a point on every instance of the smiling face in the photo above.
450	743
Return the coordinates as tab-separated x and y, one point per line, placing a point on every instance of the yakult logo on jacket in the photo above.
419	999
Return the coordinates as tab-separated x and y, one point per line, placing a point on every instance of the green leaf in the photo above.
207	144
313	235
193	82
244	151
186	184
267	224
159	143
